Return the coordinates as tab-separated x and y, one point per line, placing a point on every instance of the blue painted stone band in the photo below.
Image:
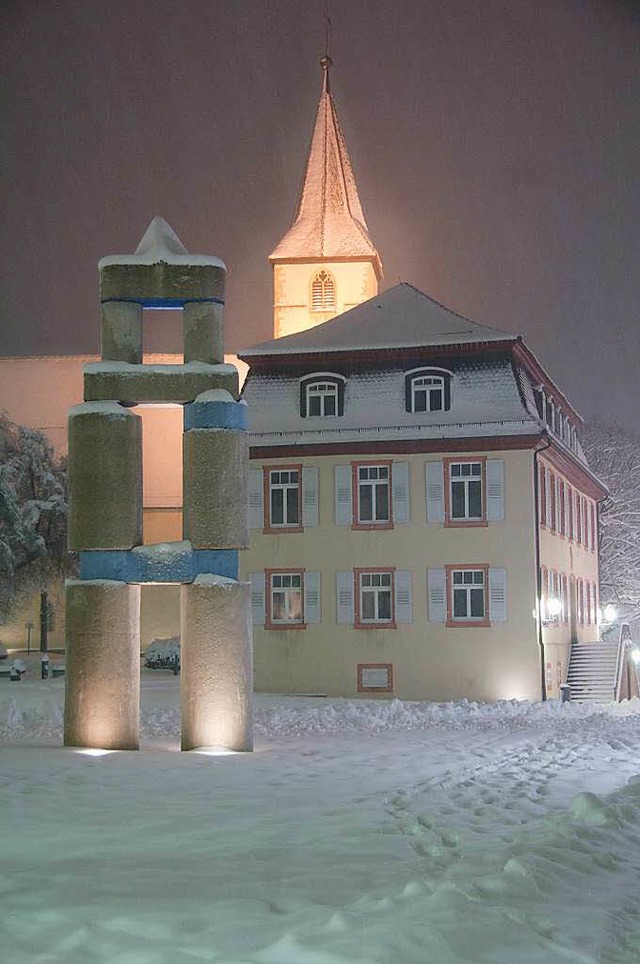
231	415
164	565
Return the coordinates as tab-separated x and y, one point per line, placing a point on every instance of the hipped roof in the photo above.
401	317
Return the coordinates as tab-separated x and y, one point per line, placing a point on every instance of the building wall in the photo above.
355	282
569	568
430	660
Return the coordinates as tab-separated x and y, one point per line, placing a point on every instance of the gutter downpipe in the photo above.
536	529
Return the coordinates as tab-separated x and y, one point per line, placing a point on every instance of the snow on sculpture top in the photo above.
160	245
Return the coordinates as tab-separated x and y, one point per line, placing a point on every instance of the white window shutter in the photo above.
437	591
495	490
257	581
400	486
309	496
344	597
312	597
497	595
404	613
435	492
256	499
344	512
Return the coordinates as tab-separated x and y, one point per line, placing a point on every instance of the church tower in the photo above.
326	263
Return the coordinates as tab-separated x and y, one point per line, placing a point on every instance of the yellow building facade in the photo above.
407	501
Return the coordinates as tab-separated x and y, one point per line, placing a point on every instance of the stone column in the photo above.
203	333
102	680
105	477
121	335
217	664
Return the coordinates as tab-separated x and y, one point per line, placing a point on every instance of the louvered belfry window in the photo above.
323	292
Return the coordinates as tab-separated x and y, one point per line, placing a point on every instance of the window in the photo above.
322	398
467	595
428	390
323	292
466	491
283	497
373	494
322	395
578	518
467	592
374	596
285	597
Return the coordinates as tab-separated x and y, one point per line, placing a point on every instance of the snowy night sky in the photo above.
495	147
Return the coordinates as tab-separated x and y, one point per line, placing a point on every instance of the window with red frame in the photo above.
375	596
373	494
466	491
284	497
284	598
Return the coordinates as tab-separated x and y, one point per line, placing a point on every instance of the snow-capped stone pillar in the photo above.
121	335
216	664
102	679
105	477
215	472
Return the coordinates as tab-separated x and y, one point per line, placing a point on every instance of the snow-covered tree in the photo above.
614	455
33	509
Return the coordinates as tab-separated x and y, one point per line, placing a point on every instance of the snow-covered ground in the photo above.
360	832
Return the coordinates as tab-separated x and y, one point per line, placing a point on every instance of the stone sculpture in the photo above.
105	518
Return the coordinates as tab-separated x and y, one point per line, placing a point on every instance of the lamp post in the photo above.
28	627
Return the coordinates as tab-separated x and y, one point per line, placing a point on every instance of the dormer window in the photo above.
428	390
322	395
323	292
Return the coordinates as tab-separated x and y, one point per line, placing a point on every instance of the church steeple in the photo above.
329	234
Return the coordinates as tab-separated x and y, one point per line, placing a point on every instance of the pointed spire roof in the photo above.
328	221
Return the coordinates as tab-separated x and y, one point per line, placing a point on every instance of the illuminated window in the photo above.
427	391
323	292
285	598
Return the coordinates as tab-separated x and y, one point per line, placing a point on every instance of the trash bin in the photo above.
44	666
565	693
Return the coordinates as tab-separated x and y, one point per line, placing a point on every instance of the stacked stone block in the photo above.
105	491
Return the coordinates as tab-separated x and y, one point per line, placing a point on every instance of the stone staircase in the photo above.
593	672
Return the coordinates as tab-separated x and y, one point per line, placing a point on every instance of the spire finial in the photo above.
326	62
